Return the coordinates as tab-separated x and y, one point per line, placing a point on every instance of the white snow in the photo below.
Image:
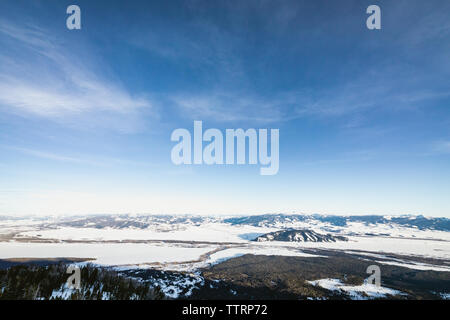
416	265
402	240
236	252
361	292
63	293
105	254
174	288
210	232
445	296
425	248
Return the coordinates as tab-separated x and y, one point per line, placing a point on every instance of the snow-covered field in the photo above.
361	292
188	243
211	232
105	254
423	248
268	251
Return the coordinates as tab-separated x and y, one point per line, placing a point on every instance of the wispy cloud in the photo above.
441	147
349	100
429	23
52	156
229	107
347	157
383	85
388	92
79	159
50	82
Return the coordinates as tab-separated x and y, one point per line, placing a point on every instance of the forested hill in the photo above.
31	282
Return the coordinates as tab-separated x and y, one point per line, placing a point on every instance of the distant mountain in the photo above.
299	236
280	220
124	221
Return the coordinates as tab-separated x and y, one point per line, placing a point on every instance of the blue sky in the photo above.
86	115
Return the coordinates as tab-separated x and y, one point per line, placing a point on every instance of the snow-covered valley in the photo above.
190	242
176	251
